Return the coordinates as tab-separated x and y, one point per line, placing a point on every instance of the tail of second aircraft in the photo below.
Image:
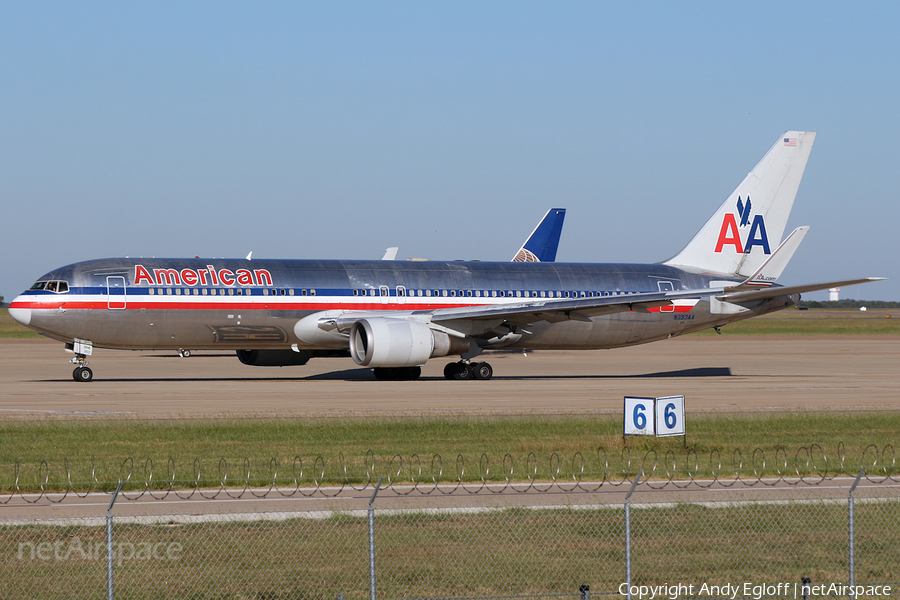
541	245
748	227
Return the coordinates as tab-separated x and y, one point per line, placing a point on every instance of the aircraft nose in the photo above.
19	313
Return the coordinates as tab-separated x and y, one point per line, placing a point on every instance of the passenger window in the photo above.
150	291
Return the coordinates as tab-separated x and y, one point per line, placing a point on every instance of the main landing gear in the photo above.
465	370
81	372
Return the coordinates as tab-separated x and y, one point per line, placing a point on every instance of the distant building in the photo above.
833	294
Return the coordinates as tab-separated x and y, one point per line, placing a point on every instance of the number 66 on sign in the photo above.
659	417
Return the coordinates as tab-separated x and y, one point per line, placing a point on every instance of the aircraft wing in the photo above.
771	292
580	309
555	310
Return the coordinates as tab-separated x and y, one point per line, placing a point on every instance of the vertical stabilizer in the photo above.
748	227
541	245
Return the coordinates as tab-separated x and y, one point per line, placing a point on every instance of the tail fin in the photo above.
541	245
742	234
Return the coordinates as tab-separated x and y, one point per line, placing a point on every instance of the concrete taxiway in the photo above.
727	374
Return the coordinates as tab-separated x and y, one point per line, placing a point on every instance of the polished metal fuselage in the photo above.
242	304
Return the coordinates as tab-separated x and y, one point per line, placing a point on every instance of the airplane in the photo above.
395	316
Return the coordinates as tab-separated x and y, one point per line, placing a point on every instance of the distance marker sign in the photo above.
670	416
639	416
659	417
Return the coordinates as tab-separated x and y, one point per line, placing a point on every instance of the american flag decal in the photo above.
790	142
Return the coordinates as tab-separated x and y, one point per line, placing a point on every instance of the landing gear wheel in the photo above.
483	371
464	371
82	374
449	370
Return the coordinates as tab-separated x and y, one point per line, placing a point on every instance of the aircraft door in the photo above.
666	286
385	294
401	294
116	297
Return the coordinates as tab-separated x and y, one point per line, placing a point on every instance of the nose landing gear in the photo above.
82	372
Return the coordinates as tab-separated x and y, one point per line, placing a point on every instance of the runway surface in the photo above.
727	374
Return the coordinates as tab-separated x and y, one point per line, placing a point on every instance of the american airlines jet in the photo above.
394	316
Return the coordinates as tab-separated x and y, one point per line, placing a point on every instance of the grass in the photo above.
816	322
508	552
404	448
10	330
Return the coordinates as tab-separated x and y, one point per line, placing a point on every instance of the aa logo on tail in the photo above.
730	234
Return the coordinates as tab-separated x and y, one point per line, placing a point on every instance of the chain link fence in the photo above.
651	541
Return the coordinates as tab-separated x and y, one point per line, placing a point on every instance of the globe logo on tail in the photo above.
525	255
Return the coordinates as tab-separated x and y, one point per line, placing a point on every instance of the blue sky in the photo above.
335	130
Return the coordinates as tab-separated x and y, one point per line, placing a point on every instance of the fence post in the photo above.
109	543
628	532
372	540
852	533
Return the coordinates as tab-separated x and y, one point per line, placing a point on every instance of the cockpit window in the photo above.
59	287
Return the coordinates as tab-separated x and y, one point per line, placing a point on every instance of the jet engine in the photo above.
391	342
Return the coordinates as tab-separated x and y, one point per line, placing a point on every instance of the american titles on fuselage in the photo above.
207	276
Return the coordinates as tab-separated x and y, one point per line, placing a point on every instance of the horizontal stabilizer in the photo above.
772	292
771	270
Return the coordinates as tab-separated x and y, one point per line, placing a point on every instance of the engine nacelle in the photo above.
391	342
311	331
